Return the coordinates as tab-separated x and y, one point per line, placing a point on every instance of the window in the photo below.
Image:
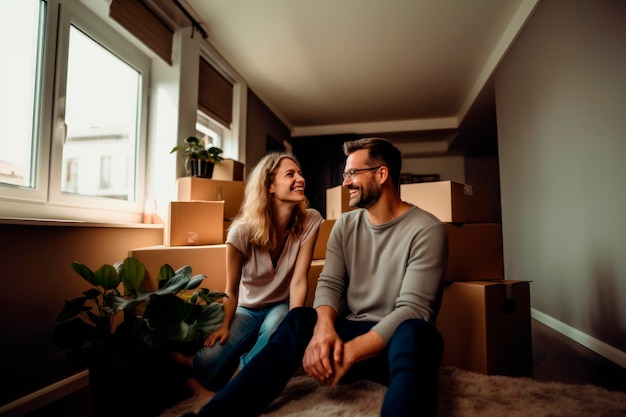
215	93
19	83
101	115
218	111
209	131
75	113
105	172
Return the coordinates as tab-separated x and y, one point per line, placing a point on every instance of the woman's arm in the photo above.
234	265
298	288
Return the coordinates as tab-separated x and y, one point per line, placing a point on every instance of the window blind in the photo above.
142	22
215	94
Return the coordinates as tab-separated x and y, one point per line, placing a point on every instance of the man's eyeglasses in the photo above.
353	172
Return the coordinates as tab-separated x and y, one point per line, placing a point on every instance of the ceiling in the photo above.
360	66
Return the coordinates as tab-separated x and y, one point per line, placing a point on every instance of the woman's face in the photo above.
288	184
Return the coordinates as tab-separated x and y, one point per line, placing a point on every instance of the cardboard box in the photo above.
319	251
475	252
337	202
228	170
486	327
206	189
314	272
195	223
449	201
209	260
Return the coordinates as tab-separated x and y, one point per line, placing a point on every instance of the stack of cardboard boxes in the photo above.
196	228
484	319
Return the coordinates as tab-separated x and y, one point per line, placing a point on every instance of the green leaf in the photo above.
107	277
215	151
129	304
184	270
176	283
208	296
169	316
84	272
202	154
165	272
210	319
72	308
92	294
195	282
192	140
132	274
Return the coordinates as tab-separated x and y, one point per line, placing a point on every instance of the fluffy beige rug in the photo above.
462	394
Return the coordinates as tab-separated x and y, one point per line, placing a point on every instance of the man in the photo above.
375	305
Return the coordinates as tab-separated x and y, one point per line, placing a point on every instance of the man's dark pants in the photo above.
408	367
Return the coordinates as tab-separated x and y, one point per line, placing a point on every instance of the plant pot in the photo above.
200	168
112	377
134	386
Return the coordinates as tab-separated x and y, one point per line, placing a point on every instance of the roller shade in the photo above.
142	22
215	94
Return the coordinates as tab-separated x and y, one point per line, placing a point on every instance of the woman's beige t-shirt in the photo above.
262	284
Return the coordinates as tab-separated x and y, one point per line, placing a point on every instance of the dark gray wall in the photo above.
561	112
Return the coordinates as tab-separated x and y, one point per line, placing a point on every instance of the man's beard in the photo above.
368	195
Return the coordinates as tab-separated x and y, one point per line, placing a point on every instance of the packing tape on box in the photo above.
508	304
509	291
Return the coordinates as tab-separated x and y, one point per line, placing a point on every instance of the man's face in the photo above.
364	188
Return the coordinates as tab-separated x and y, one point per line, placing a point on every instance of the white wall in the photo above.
561	108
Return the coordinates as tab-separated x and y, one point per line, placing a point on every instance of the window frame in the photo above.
45	199
37	193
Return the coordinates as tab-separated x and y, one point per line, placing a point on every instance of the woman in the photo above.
268	252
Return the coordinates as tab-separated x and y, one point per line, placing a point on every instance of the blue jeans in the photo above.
248	333
408	367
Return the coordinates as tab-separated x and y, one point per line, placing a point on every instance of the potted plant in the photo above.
120	335
200	160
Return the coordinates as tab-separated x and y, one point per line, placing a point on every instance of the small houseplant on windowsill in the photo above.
200	158
124	339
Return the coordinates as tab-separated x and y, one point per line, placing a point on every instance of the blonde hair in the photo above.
256	209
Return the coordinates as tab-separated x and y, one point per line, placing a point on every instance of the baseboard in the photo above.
46	395
598	346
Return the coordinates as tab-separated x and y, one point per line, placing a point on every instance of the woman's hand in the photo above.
220	335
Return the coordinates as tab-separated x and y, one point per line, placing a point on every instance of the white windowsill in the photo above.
75	223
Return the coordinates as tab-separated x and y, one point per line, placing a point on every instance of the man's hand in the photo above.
360	348
324	346
342	364
318	356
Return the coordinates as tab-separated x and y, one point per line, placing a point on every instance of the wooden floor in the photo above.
555	358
